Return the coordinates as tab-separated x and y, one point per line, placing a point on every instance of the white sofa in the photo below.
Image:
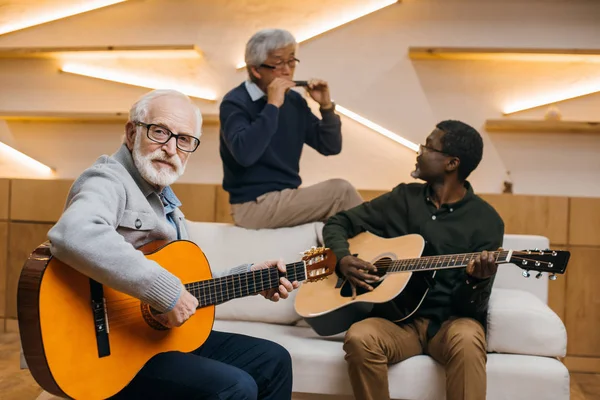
525	336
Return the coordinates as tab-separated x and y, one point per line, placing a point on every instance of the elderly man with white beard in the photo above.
124	201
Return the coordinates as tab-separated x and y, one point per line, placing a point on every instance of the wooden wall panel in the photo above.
584	224
23	239
11	326
583	364
198	201
533	215
4	198
223	213
368	195
3	265
557	292
582	306
38	200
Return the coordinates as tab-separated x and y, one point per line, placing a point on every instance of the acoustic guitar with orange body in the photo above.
84	340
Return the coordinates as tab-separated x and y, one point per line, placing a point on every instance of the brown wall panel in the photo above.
4	198
557	291
198	201
11	326
583	364
582	302
368	195
38	200
584	224
3	265
223	208
23	239
533	215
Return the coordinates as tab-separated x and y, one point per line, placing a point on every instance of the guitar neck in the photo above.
440	262
219	290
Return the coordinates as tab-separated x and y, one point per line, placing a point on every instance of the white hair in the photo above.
265	41
139	109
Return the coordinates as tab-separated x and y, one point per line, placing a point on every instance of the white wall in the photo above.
368	69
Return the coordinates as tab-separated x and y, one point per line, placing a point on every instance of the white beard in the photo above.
161	177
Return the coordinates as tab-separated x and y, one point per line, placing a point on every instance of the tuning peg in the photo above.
538	276
524	262
526	274
552	277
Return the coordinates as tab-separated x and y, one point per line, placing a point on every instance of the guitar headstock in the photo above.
320	263
551	261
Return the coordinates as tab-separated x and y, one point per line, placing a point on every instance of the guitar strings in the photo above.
123	317
384	264
533	260
438	259
132	307
129	303
230	279
132	303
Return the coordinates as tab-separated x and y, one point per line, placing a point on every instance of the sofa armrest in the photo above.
520	323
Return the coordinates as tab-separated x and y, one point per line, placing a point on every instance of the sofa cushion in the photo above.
319	367
227	246
520	323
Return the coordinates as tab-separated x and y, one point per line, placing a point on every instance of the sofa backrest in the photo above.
510	276
227	246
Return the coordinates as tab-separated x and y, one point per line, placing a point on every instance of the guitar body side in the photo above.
58	329
28	294
328	307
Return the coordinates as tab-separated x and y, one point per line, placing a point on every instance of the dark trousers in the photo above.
226	366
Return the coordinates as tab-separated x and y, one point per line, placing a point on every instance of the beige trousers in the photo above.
459	345
291	207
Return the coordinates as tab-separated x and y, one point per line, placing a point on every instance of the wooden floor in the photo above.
17	384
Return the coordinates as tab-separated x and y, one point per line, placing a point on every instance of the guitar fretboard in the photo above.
438	262
219	290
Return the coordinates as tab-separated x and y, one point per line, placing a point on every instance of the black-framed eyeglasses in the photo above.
281	64
162	135
422	146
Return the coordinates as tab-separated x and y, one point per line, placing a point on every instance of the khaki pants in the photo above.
291	207
459	345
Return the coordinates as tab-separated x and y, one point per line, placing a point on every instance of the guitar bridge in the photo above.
100	318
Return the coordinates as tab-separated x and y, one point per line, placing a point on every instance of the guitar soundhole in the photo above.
346	290
148	314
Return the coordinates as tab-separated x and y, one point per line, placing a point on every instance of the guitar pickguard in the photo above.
346	289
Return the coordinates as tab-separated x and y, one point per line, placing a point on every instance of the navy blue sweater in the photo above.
261	144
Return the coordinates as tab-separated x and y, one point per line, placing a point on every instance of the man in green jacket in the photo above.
450	323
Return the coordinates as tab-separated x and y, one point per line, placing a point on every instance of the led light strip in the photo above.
136	80
377	128
82	7
25	159
544	100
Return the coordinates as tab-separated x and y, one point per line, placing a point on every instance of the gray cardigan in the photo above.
110	212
